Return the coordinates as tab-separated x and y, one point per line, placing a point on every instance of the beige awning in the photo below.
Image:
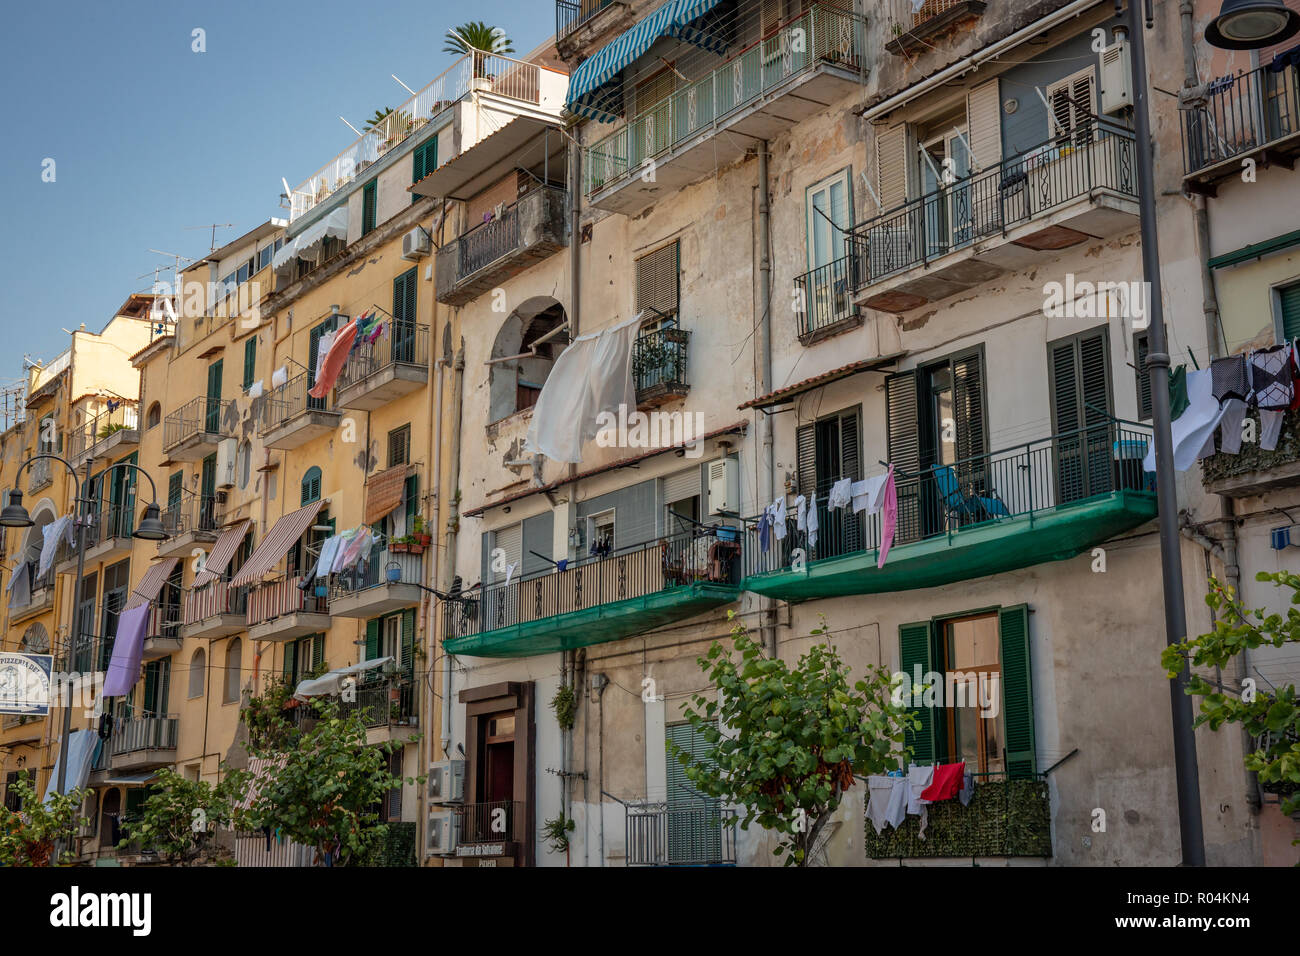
282	536
221	553
384	493
151	583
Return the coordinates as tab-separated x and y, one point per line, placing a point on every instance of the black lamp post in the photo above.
1252	24
15	515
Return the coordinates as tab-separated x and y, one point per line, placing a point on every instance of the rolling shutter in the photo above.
904	446
891	167
1290	309
656	281
694	833
684	484
407	662
509	540
1017	691
915	653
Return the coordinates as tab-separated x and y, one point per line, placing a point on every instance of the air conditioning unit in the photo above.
1116	78
447	781
724	486
227	452
415	244
442	832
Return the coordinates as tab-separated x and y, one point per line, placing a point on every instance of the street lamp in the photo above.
1252	24
15	515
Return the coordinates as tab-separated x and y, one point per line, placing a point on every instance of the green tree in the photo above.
28	837
179	817
1272	718
479	38
795	737
328	786
377	120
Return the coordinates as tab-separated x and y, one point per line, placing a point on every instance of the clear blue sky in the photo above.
150	138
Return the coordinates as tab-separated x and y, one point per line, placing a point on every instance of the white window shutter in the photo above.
891	166
984	124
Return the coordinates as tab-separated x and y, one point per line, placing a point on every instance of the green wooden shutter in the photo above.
317	651
372	639
903	440
916	650
424	161
212	416
1079	383
407	662
174	486
250	360
694	822
1017	691
404	298
290	659
851	467
150	685
1290	308
369	196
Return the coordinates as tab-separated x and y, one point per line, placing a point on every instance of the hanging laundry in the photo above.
331	364
124	668
1273	389
918	779
20	586
947	782
764	532
801	513
967	788
814	523
347	537
869	494
114	405
1178	398
1194	426
280	377
55	533
255	390
1230	379
886	801
840	496
359	545
329	550
373	335
1234	412
888	518
1295	375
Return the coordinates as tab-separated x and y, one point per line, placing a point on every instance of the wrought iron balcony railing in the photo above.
376	568
700	833
659	362
1020	189
131	734
199	416
402	343
289	401
383	702
496	821
826	297
1241	114
192	513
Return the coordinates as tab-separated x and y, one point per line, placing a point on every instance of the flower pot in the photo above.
424	539
415	548
397	548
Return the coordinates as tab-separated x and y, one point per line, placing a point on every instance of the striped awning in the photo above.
282	536
221	553
588	93
151	583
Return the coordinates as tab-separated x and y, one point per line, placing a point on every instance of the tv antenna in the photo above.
214	226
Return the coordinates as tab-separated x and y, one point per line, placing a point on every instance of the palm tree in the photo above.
378	118
479	38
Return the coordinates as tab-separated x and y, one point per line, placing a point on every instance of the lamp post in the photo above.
15	515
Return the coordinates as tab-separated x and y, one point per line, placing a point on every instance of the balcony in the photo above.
393	365
42	599
493	828
1254	115
40	473
698	834
385	706
917	28
1004	818
110	434
383	582
580	25
192	432
531	229
193	522
1046	500
281	611
214	610
143	742
826	294
163	635
808	64
628	592
1254	471
291	417
108	537
1067	191
659	365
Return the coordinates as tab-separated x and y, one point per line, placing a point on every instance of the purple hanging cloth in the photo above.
124	668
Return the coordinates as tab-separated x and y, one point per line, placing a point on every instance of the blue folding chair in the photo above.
959	505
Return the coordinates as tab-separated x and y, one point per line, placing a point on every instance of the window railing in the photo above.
382	702
497	821
1097	155
274	599
81	657
489	241
192	513
1240	114
826	296
165	620
199	416
821	35
131	734
1036	476
697	834
101	428
404	343
659	360
289	401
708	555
212	599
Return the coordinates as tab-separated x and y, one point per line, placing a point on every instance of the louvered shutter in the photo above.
407	662
317	651
915	656
684	484
694	823
393	810
806	447
1290	309
851	468
1094	381
1017	691
1141	346
290	660
250	360
1065	421
1081	407
891	166
372	639
510	540
150	686
904	444
369	196
984	131
656	281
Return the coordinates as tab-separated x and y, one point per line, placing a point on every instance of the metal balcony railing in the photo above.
108	522
40	473
403	343
820	35
383	702
192	513
101	427
659	360
131	734
488	242
826	296
1033	477
1241	114
707	555
199	416
377	567
569	16
497	821
165	620
1096	156
701	833
289	401
81	657
212	599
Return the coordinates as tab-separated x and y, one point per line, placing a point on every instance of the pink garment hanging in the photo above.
888	518
327	372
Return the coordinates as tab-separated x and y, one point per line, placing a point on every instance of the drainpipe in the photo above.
767	471
1210	308
448	567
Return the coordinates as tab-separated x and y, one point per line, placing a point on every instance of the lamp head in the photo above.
150	527
14	514
1251	24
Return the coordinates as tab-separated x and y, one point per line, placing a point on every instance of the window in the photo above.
234	662
154	417
304	657
404	299
369	209
1073	105
399	446
681	497
392	636
1288	312
695	831
13	802
600	533
979	665
829	214
411	501
311	485
244	463
391	811
424	161
829	449
198	674
656	282
250	360
157	680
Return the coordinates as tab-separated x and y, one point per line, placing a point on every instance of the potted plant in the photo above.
418	530
397	546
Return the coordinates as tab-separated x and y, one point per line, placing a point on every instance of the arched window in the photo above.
529	340
311	485
198	667
234	659
36	640
154	416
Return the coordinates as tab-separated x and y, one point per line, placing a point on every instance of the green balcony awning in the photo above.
595	625
993	547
